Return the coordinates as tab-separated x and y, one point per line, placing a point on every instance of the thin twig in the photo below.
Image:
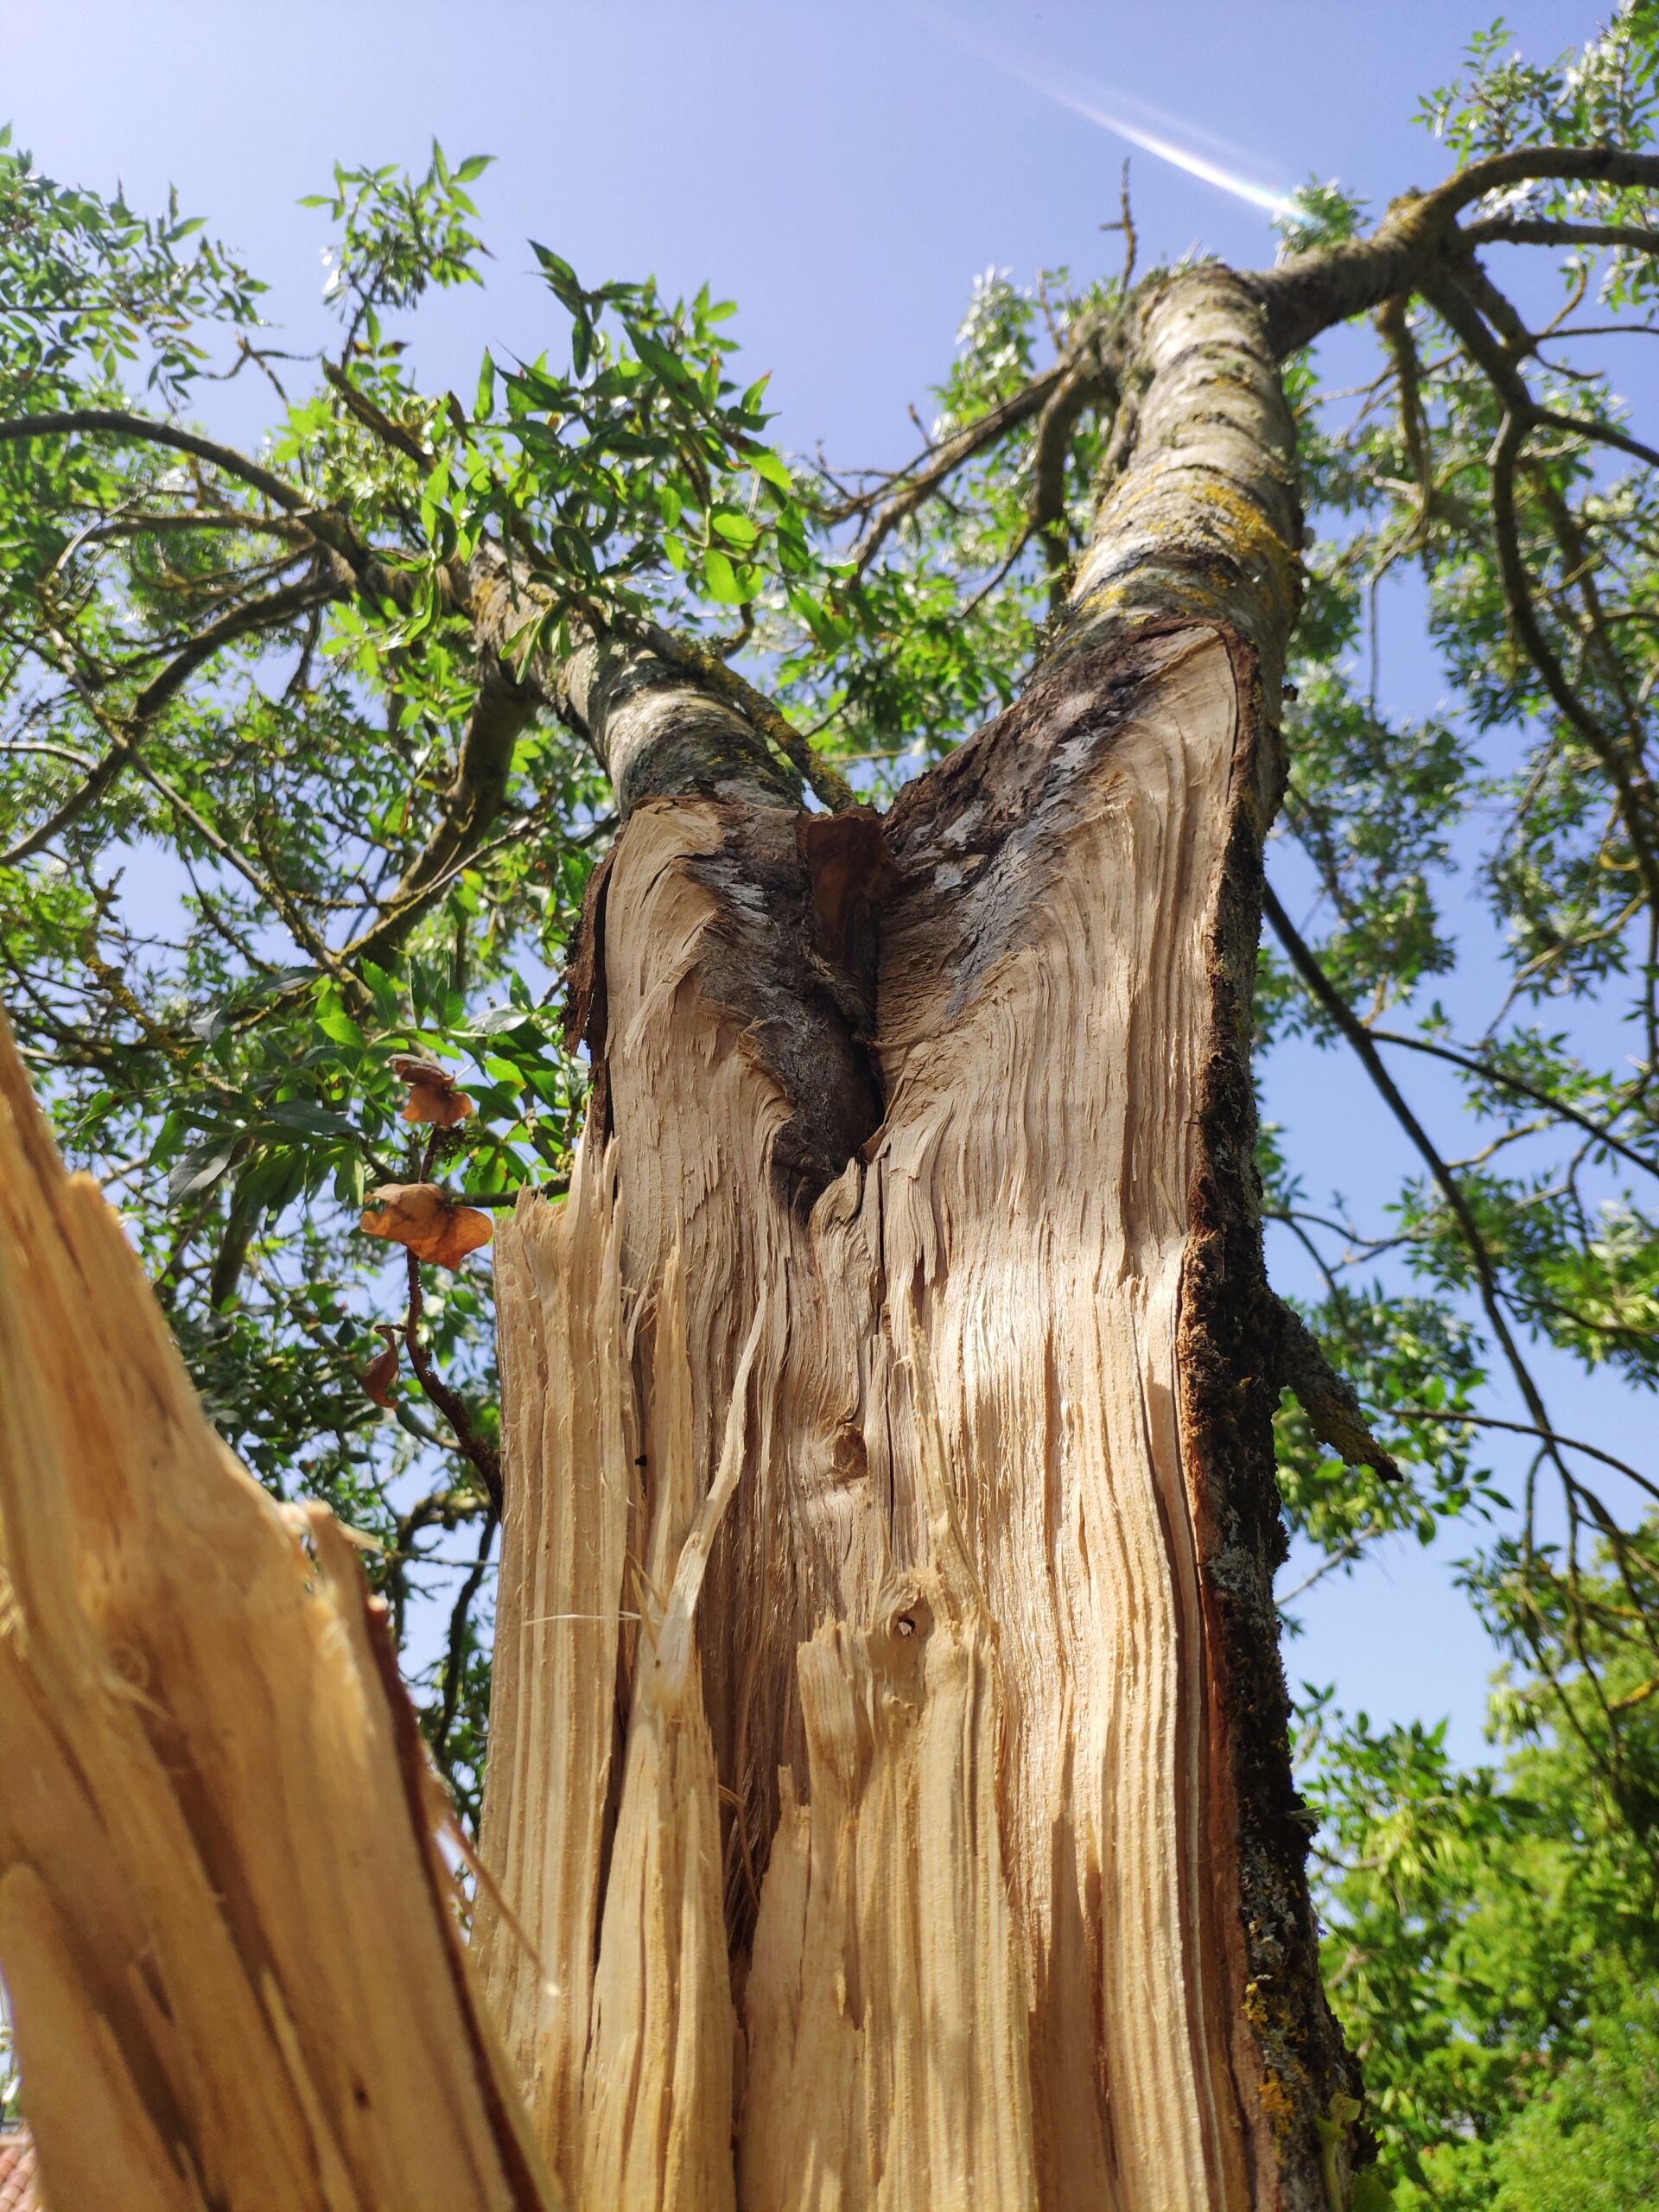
454	1661
485	1458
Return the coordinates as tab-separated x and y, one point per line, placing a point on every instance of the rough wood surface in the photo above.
229	1939
568	1409
1000	1746
886	2003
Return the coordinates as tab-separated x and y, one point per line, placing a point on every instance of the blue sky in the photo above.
842	170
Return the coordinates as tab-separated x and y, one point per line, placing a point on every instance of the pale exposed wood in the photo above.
567	1412
886	2003
997	1959
656	2096
1047	1028
238	1976
623	2027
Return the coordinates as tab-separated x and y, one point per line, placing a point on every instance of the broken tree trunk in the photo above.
889	1795
921	1160
228	1936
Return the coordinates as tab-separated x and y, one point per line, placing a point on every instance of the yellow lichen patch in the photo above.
1278	2104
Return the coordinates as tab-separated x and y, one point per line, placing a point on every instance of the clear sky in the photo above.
842	170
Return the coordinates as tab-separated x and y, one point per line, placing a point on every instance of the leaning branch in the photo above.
1082	383
1502	1078
923	478
1517	230
128	732
483	1459
374	420
1521	414
1462	1418
1344	1018
1310	292
1328	1398
820	775
139	427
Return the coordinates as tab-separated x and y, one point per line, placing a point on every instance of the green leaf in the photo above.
340	1029
200	1167
301	1116
667	363
721	578
771	470
496	1019
560	276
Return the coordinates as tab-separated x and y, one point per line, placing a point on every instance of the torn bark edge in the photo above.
1328	1398
787	962
1291	2071
585	1011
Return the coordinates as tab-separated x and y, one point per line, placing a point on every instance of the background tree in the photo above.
351	685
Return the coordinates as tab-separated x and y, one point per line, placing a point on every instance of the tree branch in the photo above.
820	775
1525	1428
456	1653
925	476
1394	327
1055	424
484	1460
128	730
1538	230
1329	1399
1502	1077
1343	1017
1604	434
1310	292
389	432
66	423
1520	414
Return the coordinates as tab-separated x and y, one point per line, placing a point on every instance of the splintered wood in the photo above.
235	1968
877	1654
909	1237
912	2081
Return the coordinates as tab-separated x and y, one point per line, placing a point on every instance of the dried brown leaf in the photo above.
433	1096
426	1221
381	1371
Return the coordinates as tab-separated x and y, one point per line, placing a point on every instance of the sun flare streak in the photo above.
1162	143
1171	150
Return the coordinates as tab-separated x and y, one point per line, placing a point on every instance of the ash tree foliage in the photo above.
296	836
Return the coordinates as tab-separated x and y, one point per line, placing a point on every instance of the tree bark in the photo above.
905	1326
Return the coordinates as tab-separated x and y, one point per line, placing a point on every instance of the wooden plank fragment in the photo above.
232	1947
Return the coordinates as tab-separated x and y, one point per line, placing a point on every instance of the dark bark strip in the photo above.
1290	2059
